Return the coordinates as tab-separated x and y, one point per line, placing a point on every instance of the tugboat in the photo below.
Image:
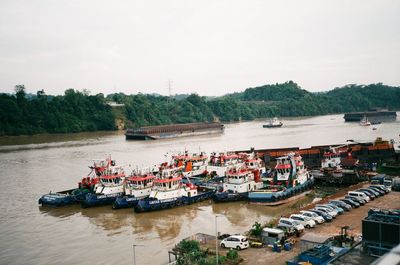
170	192
194	166
238	183
364	121
290	179
332	171
85	186
109	187
220	163
136	186
273	123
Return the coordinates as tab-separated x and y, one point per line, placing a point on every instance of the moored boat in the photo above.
169	193
109	187
136	187
290	179
85	186
237	184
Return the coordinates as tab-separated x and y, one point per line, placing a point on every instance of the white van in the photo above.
358	195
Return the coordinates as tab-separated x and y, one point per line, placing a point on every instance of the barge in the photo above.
174	130
374	115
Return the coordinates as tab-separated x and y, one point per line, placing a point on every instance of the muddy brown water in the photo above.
32	166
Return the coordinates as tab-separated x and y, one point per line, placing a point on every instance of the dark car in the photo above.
223	236
353	204
381	192
341	204
377	194
381	187
357	199
369	193
326	216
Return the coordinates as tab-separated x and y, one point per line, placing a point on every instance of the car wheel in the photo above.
223	245
238	248
307	226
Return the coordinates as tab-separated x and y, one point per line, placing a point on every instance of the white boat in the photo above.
170	192
273	123
137	186
238	183
364	121
109	187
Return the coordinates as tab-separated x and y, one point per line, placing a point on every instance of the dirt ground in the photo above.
352	218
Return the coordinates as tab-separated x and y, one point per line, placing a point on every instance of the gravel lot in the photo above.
352	218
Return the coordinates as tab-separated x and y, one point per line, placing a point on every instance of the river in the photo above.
32	166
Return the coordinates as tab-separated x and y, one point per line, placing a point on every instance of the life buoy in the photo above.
163	205
153	207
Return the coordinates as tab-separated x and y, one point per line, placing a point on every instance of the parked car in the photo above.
382	187
353	204
358	194
318	219
369	193
237	241
327	217
328	211
378	190
340	210
358	199
341	204
330	208
290	224
307	222
223	236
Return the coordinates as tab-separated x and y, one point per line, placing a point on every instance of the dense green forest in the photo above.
78	111
73	112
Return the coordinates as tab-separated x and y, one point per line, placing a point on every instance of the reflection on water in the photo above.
32	166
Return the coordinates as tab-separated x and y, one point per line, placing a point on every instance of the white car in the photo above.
332	211
237	242
318	219
304	220
359	195
328	211
290	224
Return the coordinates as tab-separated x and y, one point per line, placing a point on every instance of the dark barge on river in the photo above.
174	130
373	115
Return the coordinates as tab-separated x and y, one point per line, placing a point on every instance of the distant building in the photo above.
114	104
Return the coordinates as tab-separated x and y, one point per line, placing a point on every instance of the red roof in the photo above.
112	176
280	166
167	180
140	178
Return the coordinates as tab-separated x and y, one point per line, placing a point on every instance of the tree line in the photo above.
78	111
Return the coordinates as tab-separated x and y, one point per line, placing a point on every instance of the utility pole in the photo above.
134	254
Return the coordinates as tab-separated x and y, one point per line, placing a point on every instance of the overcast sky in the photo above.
211	47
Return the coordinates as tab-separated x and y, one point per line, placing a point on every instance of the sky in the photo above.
209	47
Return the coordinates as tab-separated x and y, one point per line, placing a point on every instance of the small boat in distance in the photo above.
273	123
364	121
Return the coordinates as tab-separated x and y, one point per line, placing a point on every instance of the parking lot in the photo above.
352	218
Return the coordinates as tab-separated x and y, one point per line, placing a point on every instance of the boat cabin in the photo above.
283	168
223	159
112	176
140	181
238	176
167	184
331	160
